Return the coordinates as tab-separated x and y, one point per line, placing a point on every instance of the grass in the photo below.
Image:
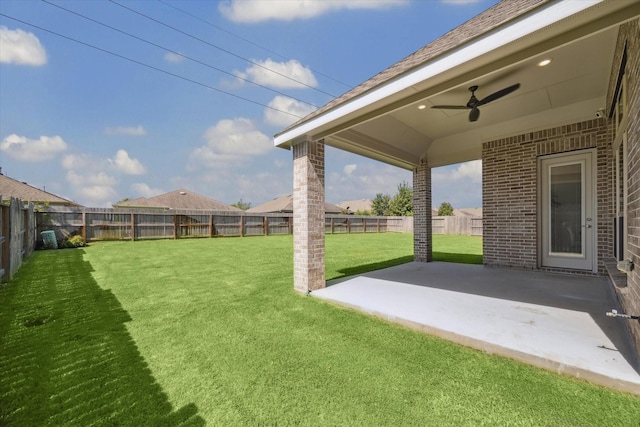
461	249
210	331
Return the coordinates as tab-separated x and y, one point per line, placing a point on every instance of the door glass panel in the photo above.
565	206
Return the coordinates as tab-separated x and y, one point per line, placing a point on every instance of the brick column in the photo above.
422	248
308	216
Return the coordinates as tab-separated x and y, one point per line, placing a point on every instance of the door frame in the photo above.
589	261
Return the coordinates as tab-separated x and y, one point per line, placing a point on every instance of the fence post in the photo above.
5	237
175	226
364	225
348	226
241	225
211	225
133	226
84	226
265	225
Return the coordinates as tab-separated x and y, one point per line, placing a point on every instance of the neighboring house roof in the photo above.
10	187
285	204
356	205
179	199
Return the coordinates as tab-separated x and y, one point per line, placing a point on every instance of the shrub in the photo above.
73	242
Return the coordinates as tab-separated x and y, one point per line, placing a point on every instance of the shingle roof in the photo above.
505	11
10	187
179	199
285	204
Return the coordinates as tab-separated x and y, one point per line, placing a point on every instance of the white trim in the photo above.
511	32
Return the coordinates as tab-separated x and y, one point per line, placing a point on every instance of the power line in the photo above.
175	52
149	66
250	42
220	48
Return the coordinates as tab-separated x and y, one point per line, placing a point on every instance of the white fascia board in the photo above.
488	43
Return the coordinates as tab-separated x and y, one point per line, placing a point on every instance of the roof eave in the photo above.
511	31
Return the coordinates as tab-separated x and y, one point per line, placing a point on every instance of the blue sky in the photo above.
137	98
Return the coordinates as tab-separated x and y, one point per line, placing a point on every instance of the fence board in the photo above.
17	235
136	224
460	225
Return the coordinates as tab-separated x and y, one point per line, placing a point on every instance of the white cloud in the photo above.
143	190
230	141
252	11
89	181
97	195
94	189
350	169
173	57
288	105
471	171
254	187
361	181
125	164
283	75
21	48
100	179
126	130
460	185
32	150
75	161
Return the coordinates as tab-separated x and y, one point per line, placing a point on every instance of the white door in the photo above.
568	211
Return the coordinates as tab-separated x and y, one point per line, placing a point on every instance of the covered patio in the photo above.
554	321
556	125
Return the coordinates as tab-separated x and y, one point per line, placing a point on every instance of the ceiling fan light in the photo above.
544	62
421	107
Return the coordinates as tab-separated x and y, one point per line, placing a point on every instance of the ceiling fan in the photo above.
474	103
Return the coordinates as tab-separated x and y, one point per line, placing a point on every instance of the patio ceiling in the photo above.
570	89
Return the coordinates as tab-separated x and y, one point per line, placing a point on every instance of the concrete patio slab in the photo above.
554	321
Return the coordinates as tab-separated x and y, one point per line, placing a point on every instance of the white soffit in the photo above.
511	32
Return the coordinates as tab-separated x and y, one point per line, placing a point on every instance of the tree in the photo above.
402	202
380	205
241	205
445	209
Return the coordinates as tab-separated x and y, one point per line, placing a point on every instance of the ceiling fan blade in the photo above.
474	114
498	94
451	107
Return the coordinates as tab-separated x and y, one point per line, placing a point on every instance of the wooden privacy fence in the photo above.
462	225
17	235
95	224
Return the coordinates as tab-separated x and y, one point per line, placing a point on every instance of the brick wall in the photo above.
308	216
510	190
630	34
422	242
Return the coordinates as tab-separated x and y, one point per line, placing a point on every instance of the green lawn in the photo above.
210	331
